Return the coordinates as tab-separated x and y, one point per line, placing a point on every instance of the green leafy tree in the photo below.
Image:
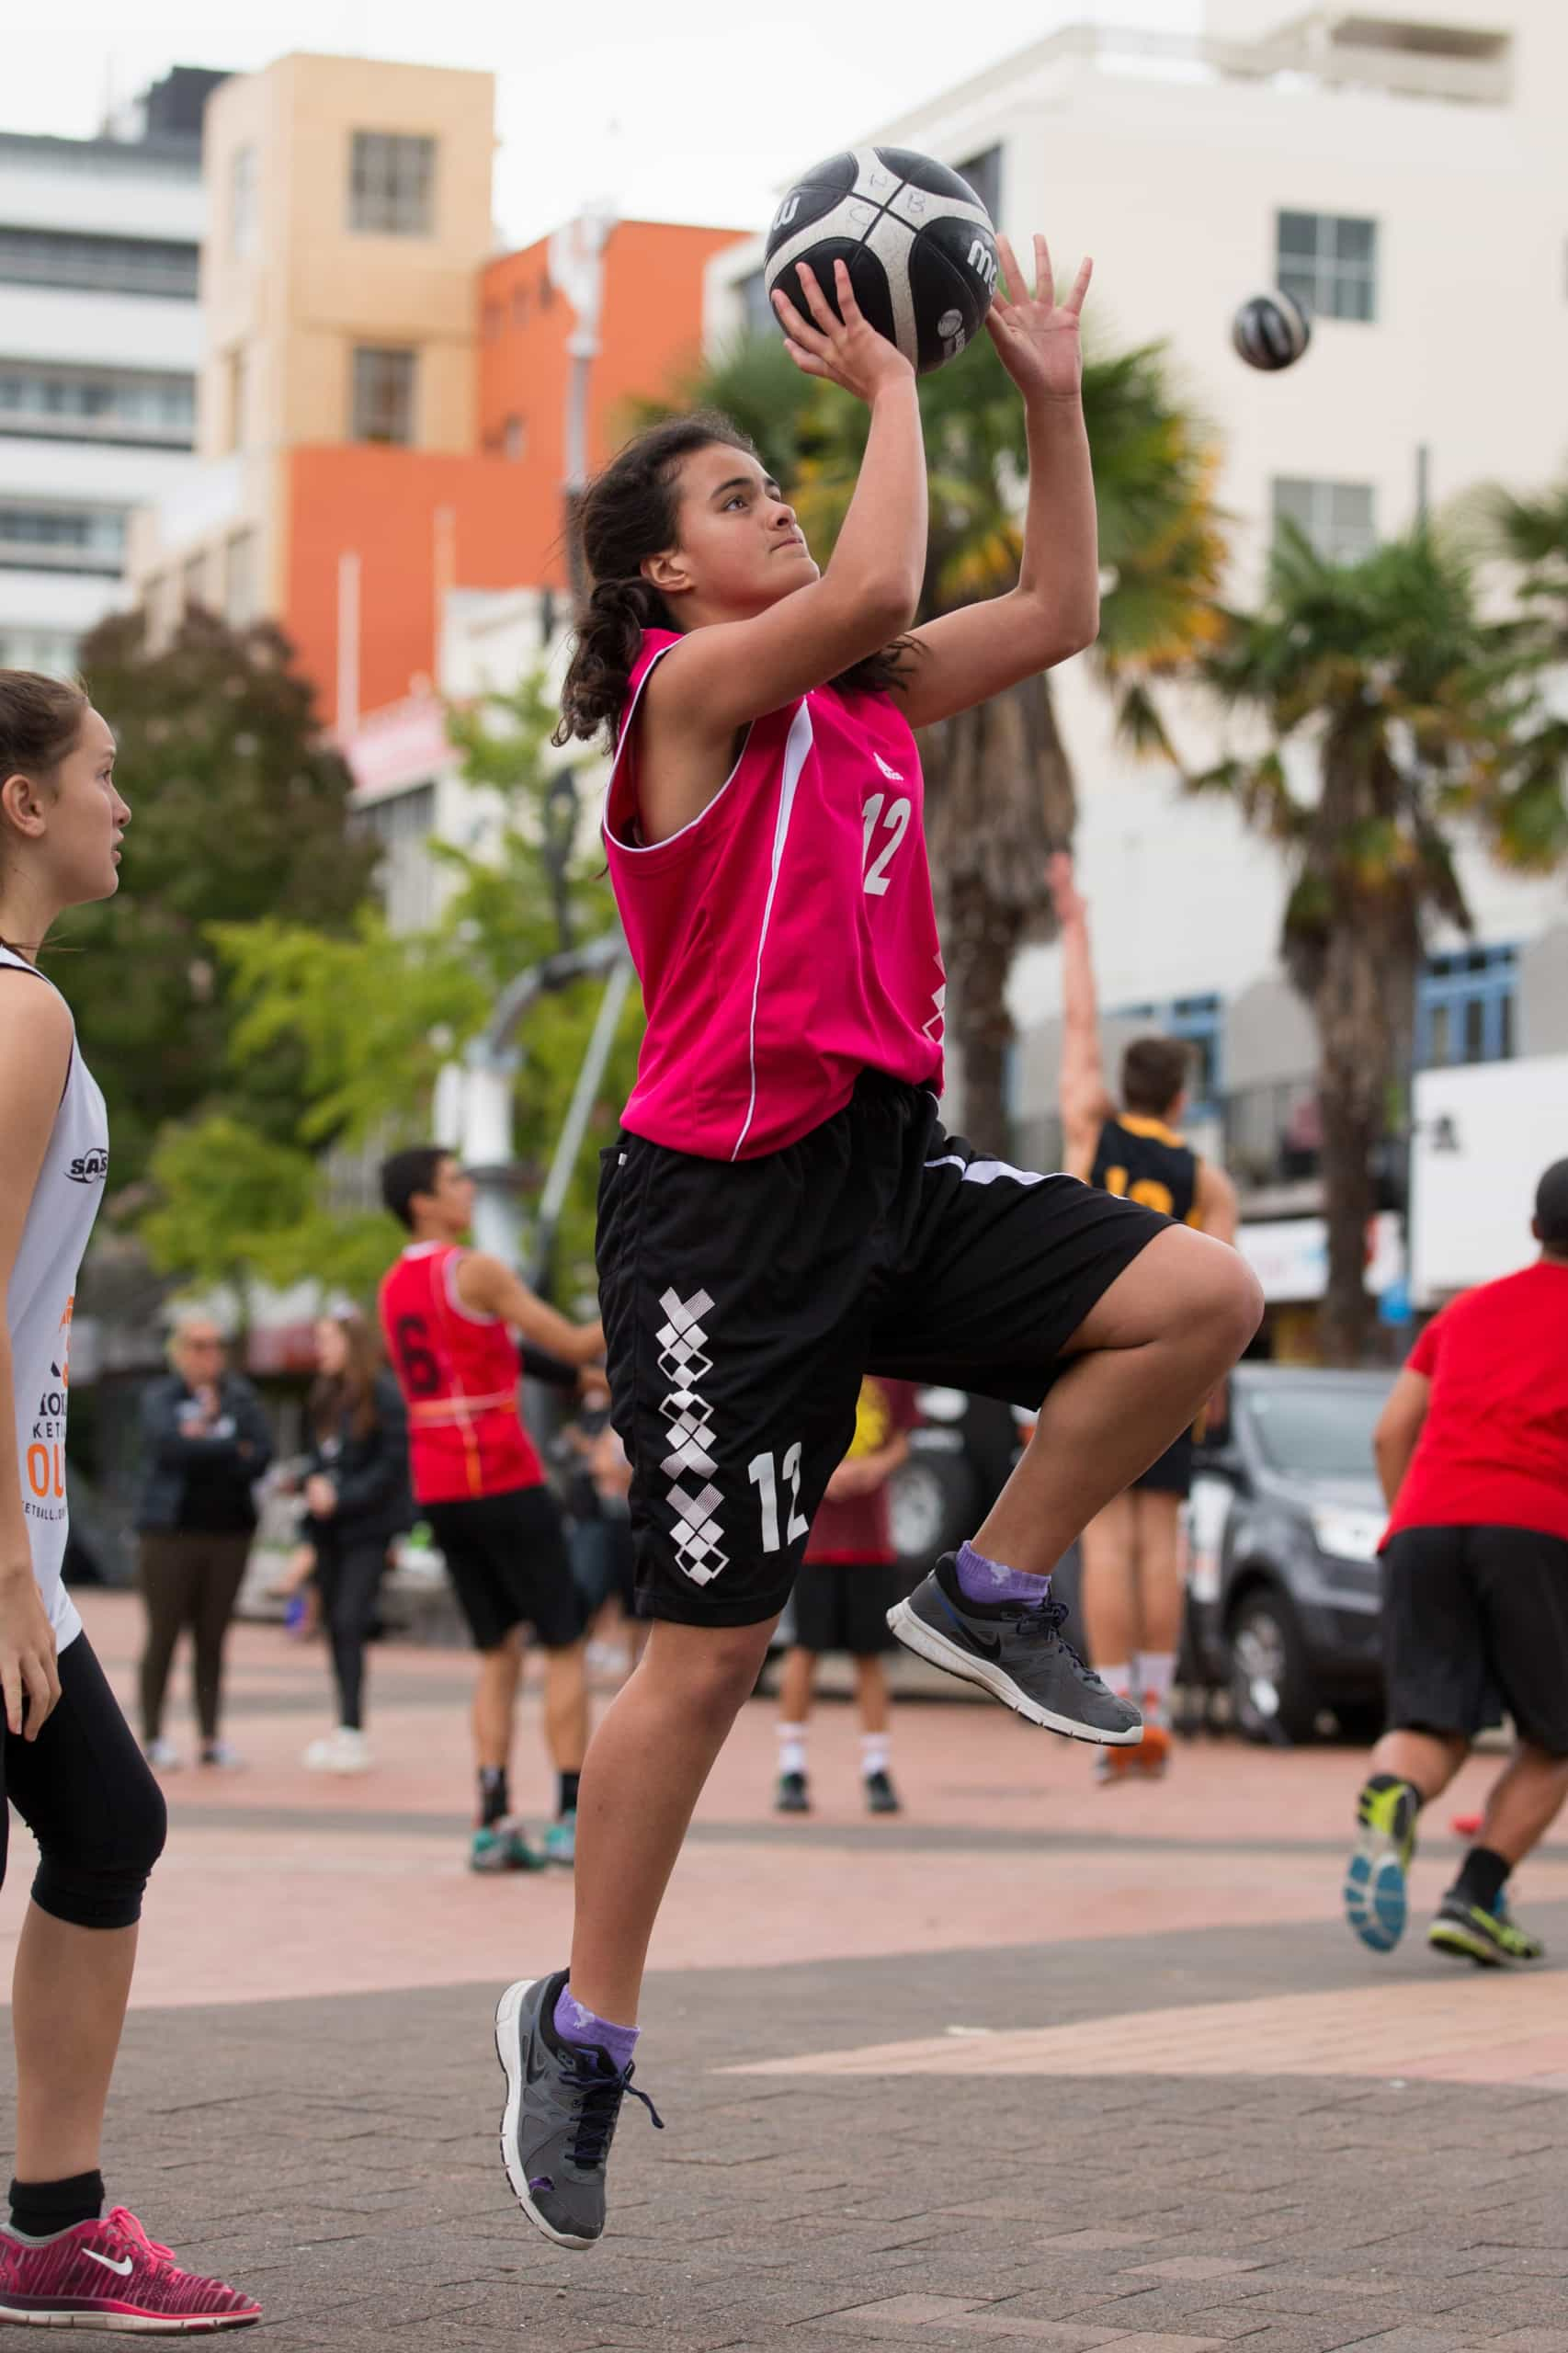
240	811
369	1017
1408	708
1000	787
1532	535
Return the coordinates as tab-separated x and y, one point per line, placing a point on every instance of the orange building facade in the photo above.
382	413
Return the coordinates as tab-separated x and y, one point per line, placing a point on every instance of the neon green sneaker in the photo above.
1491	1939
1377	1903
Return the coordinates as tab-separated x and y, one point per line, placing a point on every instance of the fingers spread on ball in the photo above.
796	328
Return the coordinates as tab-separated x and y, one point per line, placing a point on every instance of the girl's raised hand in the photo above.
1037	335
847	350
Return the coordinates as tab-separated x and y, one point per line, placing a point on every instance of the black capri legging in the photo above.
86	1791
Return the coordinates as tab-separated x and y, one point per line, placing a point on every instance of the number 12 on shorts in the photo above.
761	1473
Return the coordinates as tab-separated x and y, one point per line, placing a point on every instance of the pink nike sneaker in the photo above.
110	2276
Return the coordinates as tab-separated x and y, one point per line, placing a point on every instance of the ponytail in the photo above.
608	640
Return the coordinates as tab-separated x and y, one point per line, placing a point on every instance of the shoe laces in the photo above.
122	2224
601	2093
1044	1623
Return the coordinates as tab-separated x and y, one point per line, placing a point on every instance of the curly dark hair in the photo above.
629	512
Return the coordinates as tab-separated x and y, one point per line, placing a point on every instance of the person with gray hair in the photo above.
1472	1451
207	1442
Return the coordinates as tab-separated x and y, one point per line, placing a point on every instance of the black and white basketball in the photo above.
917	242
1271	331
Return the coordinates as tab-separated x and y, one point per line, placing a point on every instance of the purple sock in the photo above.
983	1580
575	2024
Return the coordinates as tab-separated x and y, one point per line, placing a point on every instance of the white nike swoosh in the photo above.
108	2262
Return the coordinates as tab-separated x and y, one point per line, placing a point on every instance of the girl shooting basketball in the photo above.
783	1212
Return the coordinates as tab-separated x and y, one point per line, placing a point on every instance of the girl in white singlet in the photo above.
69	1762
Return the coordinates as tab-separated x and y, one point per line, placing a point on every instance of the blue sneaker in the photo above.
560	1841
1377	1901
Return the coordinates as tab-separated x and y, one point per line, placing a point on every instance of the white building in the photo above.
99	344
1401	169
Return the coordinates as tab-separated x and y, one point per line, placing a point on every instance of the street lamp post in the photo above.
576	269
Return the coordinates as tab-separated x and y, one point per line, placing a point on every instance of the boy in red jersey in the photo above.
783	1212
448	1315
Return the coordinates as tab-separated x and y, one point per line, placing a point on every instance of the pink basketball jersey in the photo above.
785	938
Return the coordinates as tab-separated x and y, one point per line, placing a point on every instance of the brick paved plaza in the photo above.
1035	2062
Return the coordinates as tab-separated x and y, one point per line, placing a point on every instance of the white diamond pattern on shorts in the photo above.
683	1360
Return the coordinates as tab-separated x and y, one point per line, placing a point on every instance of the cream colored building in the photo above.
1402	166
348	218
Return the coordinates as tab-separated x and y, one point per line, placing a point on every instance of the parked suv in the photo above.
1284	1524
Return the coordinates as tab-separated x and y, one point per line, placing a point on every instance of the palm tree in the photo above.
1532	535
1408	706
1000	790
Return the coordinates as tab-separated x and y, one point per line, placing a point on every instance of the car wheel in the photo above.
1271	1697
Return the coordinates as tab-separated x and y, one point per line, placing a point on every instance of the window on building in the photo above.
983	173
1328	262
99	264
406	875
519	306
392	184
1339	519
193	582
493	316
235	383
240	579
241	203
383	395
756	311
51	651
1199	1020
61	539
125	404
1464	1007
515	439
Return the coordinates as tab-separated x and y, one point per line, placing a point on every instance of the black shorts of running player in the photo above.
1475	1619
507	1561
844	1605
743	1301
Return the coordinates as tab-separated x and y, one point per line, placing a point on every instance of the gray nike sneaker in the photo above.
1016	1653
562	2102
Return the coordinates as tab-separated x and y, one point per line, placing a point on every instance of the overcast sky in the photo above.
679	109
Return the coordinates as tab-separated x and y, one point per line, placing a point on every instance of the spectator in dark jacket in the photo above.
357	1500
207	1442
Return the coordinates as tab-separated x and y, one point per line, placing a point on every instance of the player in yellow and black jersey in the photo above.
1132	1576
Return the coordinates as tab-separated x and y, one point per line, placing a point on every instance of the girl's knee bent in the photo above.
99	1882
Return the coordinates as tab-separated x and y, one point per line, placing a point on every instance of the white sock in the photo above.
1118	1680
1159	1668
876	1748
792	1748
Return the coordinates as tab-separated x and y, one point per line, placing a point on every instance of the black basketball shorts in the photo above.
743	1299
508	1565
1474	1621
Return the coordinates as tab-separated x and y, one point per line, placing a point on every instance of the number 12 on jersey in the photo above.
760	1471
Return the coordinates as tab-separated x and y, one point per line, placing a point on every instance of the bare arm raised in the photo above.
1054	609
747	648
1085	1097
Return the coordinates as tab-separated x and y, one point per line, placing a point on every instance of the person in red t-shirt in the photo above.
1472	1451
842	1595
